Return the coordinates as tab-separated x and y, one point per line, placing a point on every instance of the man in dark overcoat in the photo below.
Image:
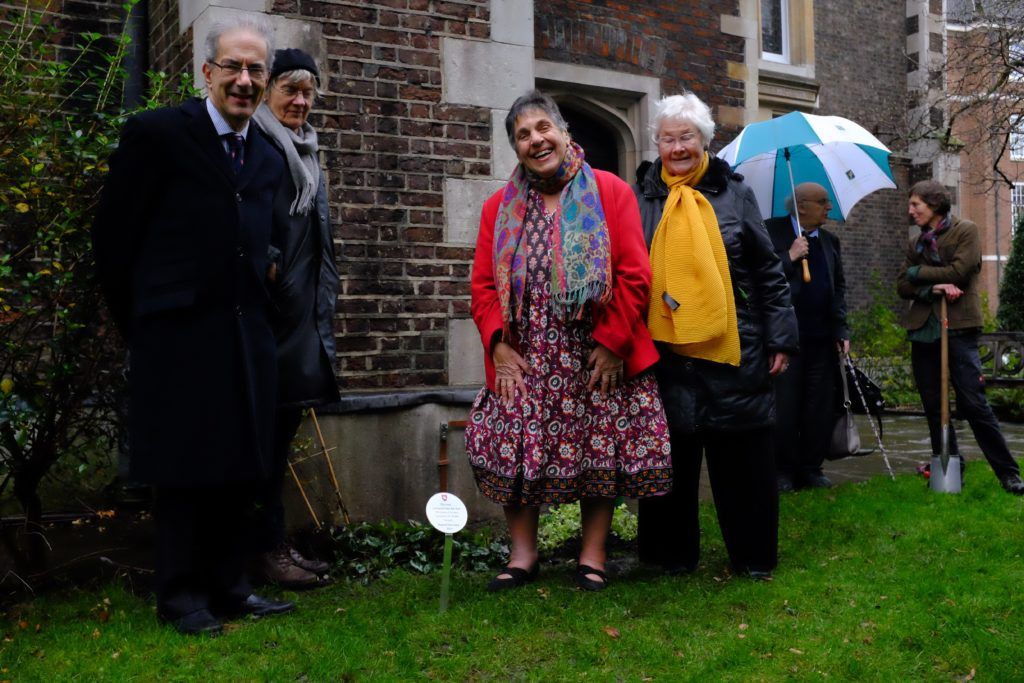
804	396
181	242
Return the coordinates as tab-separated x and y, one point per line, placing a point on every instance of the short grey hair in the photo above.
534	99
687	108
255	23
295	76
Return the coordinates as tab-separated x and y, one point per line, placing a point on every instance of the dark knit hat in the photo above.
291	59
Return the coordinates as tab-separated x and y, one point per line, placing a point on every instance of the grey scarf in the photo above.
300	153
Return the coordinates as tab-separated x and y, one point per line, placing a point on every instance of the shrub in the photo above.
1011	289
60	379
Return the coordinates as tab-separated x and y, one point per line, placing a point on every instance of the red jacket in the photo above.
621	325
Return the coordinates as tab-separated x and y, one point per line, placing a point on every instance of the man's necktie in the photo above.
236	151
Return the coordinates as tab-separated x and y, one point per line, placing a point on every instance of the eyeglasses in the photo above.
669	141
290	91
257	72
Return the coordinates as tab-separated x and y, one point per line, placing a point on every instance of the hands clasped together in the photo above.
606	371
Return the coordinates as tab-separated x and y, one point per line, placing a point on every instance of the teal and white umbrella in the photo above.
777	155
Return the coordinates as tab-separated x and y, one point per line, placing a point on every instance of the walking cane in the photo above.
330	467
945	470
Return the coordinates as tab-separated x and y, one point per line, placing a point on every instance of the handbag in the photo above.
845	437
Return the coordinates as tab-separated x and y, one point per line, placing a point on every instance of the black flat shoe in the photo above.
517	576
586	583
255	605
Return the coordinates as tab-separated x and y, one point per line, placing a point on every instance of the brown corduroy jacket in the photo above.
960	252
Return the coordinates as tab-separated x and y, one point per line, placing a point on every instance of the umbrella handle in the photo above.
807	270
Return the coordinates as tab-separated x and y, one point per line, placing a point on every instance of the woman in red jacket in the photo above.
560	288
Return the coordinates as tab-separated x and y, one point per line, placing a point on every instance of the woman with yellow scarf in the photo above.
721	318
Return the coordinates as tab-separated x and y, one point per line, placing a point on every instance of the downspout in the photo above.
136	60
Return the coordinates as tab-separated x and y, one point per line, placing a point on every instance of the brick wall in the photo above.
679	42
169	49
389	144
861	67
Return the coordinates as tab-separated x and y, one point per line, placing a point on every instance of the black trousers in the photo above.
201	546
269	527
741	467
969	385
804	405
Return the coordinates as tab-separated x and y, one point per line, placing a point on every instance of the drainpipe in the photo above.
137	58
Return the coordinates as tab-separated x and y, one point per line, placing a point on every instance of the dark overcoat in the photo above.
700	394
304	296
782	234
181	250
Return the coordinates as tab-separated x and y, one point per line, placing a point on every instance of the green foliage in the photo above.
875	330
60	113
1011	289
879	343
879	581
371	551
562	523
1007	403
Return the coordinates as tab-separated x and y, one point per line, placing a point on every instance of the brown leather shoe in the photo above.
318	567
276	567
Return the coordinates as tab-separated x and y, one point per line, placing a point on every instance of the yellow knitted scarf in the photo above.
692	305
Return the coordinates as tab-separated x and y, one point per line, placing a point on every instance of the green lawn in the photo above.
878	581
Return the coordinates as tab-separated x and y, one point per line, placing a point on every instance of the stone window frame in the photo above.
623	101
798	29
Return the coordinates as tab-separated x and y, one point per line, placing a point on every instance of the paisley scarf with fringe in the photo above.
581	268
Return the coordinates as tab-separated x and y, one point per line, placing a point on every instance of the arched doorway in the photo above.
598	139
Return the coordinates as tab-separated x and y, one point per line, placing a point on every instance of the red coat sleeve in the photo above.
484	305
617	324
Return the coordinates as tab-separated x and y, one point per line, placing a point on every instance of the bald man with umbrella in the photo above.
804	396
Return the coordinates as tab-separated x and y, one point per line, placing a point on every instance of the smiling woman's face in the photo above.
540	143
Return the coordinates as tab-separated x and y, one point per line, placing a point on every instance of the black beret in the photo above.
290	59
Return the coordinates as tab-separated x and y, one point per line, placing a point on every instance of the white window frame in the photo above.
784	56
1016	205
1015	140
1016	54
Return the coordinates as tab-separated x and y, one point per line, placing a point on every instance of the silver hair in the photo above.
687	108
295	76
534	99
249	22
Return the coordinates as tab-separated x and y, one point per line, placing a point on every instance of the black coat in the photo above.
782	234
304	296
181	251
700	394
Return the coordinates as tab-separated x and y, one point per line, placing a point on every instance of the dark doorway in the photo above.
597	138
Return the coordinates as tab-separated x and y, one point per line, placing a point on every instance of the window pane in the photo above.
771	26
1016	205
1016	138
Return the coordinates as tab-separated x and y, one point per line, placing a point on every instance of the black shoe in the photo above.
817	481
516	576
257	606
785	483
194	623
583	580
759	574
1013	484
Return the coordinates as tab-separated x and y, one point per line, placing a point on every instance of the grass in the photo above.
878	581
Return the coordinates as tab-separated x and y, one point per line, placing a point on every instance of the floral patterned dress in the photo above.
561	442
